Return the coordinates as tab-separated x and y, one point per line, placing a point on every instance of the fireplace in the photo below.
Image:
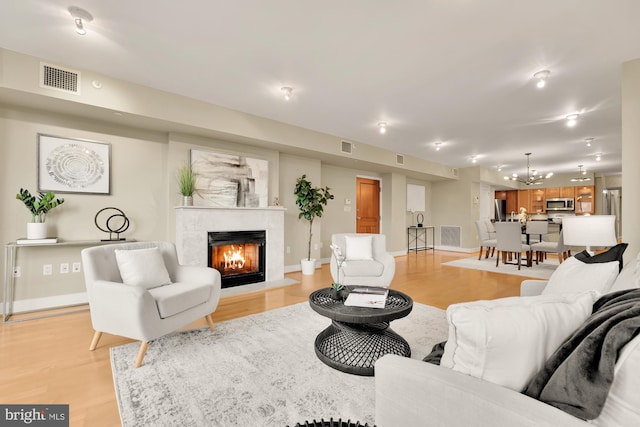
239	256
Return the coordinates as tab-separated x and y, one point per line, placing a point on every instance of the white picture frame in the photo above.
69	165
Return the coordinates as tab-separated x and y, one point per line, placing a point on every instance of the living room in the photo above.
158	130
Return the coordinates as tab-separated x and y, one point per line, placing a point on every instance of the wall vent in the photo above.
399	159
454	171
450	235
346	147
59	78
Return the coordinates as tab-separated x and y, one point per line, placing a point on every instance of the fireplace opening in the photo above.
239	256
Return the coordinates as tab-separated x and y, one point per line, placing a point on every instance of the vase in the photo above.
187	200
308	266
36	230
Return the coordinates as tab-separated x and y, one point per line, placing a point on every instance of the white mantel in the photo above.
193	223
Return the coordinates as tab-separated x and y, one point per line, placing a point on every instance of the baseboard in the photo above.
46	303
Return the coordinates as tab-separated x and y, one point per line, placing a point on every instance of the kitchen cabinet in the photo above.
512	201
584	200
500	195
568	192
523	200
552	192
537	200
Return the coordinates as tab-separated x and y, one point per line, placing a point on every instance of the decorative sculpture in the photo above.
114	224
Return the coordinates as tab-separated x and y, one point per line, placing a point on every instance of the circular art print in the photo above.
75	166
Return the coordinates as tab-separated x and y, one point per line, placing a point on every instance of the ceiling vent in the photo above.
346	147
399	159
58	78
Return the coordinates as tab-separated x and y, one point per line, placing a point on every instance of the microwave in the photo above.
560	204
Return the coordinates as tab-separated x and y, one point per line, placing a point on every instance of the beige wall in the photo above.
631	155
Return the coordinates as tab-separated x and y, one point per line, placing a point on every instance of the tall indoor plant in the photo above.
311	202
187	182
39	206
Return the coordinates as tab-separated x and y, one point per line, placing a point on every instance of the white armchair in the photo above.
375	268
143	312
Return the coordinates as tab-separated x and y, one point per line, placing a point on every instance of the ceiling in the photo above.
452	71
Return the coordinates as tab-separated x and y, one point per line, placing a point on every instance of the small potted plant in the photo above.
39	206
311	202
187	182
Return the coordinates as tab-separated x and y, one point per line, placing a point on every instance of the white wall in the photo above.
631	155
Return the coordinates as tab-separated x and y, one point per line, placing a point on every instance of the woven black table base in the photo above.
332	423
359	336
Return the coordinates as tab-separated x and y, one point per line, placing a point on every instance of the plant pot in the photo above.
187	200
308	266
36	230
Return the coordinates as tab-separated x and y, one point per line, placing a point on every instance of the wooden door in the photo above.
568	192
367	205
523	200
553	193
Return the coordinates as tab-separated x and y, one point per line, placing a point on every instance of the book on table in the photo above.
46	240
367	297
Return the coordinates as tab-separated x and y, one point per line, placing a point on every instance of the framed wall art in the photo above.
227	180
68	165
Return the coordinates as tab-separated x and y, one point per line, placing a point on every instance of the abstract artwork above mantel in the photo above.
226	180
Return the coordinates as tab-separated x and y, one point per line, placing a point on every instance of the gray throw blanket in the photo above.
578	376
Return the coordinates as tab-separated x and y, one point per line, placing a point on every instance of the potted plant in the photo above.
187	182
39	206
311	202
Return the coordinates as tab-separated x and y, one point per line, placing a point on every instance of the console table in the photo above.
419	237
10	251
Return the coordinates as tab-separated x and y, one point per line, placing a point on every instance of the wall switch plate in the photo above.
64	268
17	271
47	270
76	267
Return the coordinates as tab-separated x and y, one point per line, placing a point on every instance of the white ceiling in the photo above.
456	71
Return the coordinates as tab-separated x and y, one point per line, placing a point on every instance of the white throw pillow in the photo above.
507	341
575	276
142	267
359	248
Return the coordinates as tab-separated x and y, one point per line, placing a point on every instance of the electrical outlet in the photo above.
288	249
315	246
47	269
75	267
17	271
64	268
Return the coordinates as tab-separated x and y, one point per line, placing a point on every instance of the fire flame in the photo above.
233	259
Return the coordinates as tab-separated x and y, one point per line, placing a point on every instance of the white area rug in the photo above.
540	271
259	370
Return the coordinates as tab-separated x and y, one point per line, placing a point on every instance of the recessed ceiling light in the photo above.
598	157
572	119
382	127
542	77
287	92
474	159
588	141
80	17
438	145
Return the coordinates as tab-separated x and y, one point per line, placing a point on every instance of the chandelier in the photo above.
531	178
581	178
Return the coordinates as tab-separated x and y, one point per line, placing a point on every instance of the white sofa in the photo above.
416	393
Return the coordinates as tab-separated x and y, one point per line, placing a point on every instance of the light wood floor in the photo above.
47	360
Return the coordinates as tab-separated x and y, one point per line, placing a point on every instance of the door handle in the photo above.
358	217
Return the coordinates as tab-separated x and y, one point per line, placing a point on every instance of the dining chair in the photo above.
509	239
558	247
487	240
535	230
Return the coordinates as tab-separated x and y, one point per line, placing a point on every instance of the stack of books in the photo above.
367	297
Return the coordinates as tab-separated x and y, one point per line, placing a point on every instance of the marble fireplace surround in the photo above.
193	223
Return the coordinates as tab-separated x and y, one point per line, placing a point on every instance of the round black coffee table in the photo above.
358	336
